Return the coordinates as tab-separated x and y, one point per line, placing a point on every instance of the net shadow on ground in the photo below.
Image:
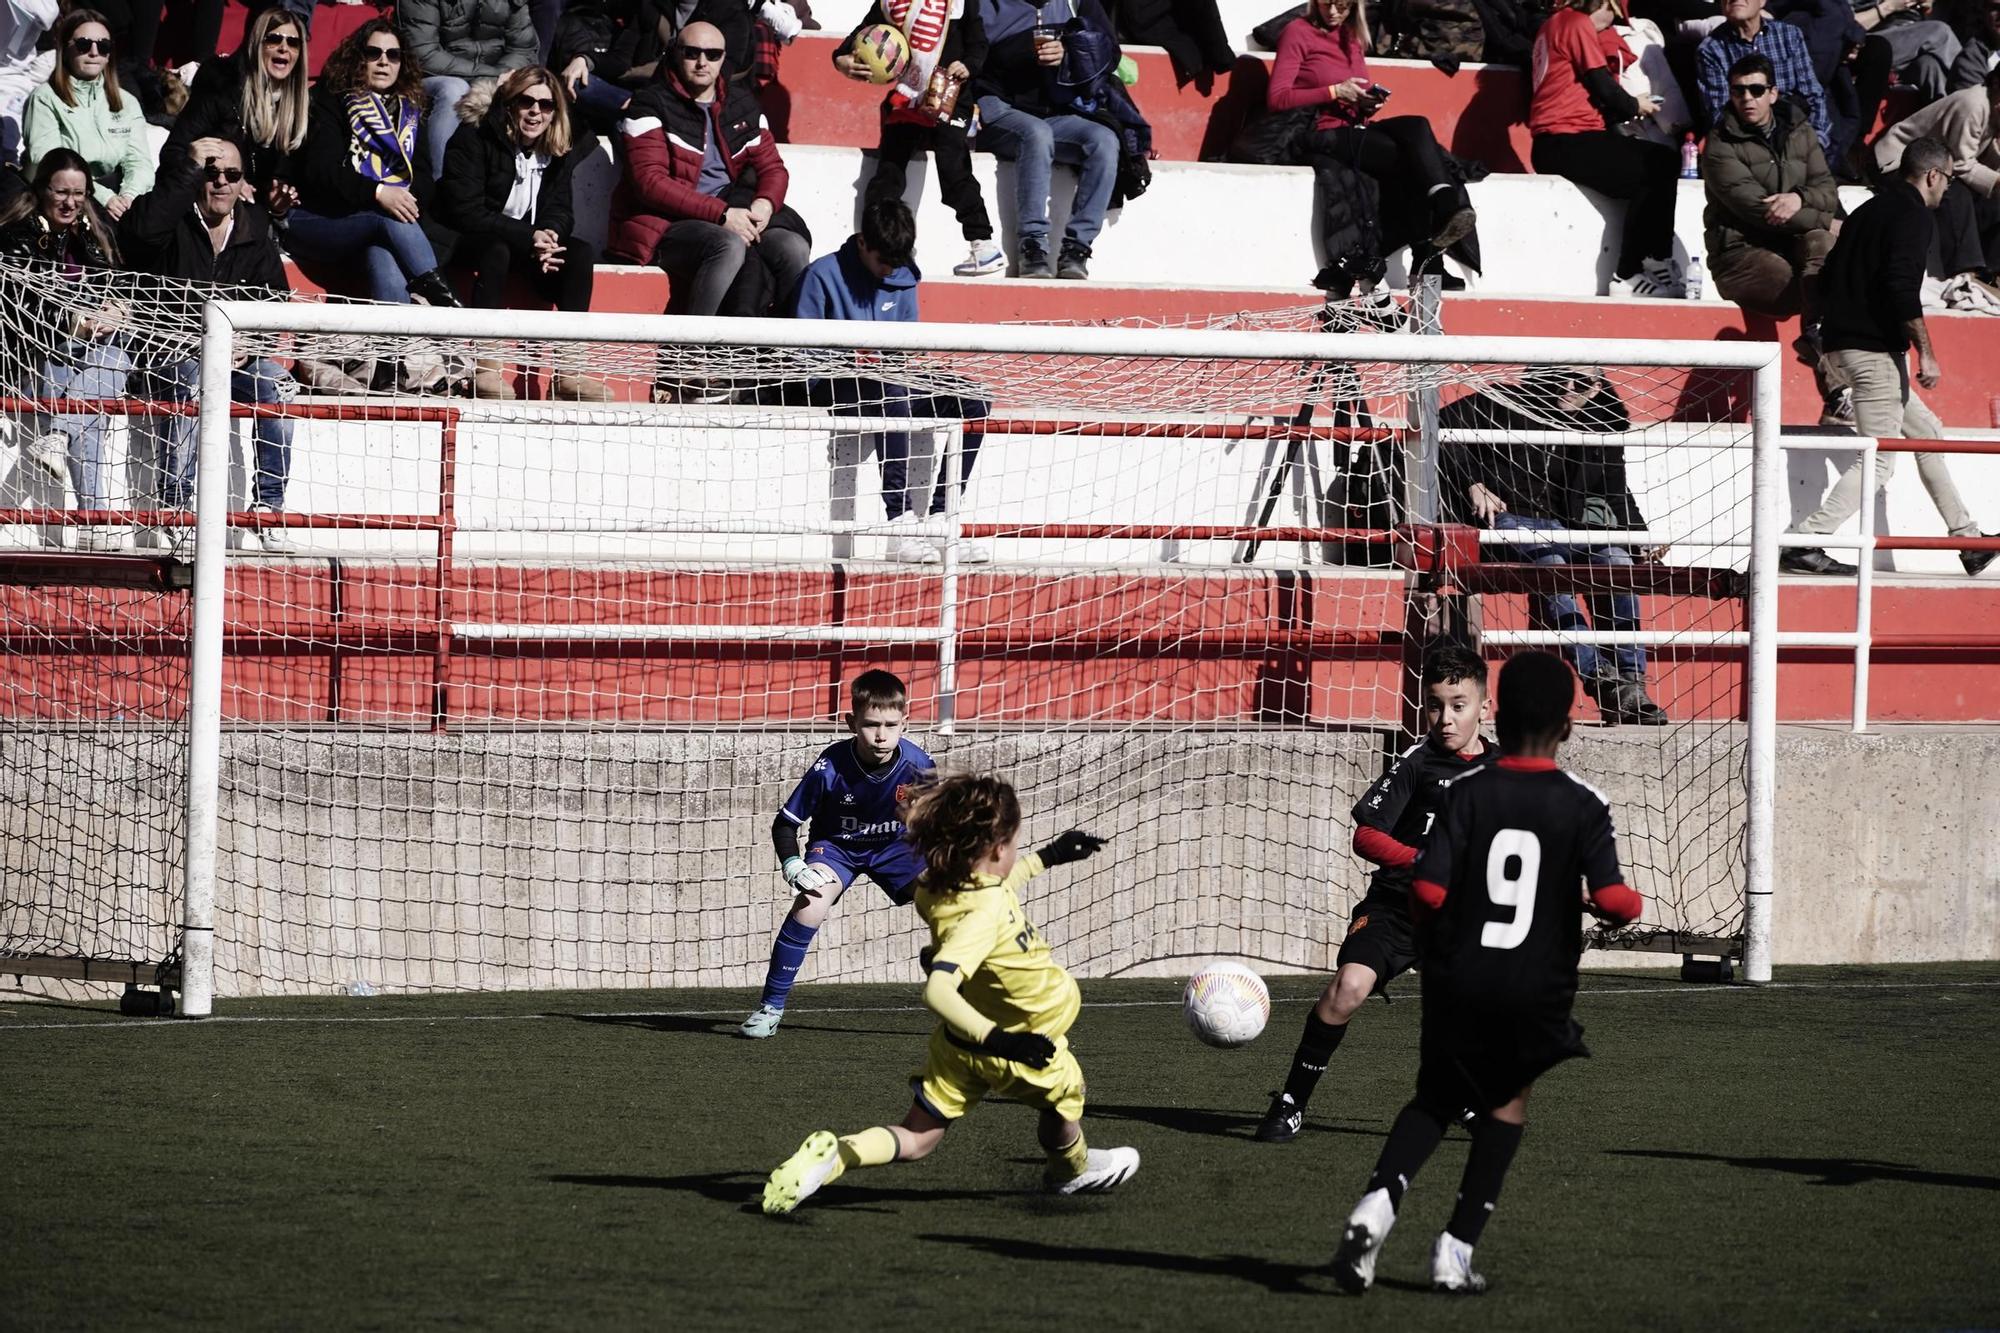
1273	1276
1825	1170
723	1026
745	1190
1211	1123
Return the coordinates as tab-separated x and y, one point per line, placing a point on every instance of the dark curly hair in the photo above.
344	69
956	822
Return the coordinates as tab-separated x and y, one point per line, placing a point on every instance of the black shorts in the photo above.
1479	1056
1380	936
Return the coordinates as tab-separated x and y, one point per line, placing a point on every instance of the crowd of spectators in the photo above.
433	158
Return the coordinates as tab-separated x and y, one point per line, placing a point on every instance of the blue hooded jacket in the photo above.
841	287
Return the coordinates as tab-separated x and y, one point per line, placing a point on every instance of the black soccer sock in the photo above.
1412	1140
1316	1046
1493	1145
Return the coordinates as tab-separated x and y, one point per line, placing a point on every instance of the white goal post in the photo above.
233	329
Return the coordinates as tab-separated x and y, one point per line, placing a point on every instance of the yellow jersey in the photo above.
1008	973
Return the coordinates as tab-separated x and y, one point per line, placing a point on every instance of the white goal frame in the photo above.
224	320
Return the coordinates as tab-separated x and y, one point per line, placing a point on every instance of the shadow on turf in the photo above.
1269	1274
719	1027
746	1190
1221	1124
1828	1170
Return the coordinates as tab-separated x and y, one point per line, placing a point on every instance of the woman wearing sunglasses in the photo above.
81	108
506	189
63	324
258	98
365	188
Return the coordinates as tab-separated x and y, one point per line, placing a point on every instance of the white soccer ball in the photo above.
1226	1004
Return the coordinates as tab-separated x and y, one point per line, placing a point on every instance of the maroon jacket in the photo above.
663	136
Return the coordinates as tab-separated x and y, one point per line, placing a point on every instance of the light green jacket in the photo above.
113	142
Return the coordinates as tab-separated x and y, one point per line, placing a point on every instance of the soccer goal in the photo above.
518	697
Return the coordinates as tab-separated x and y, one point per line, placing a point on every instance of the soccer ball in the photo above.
1226	1004
884	51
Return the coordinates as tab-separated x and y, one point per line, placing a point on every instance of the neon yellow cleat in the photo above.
799	1176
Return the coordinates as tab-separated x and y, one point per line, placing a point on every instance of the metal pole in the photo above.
204	761
948	591
1864	585
1767	495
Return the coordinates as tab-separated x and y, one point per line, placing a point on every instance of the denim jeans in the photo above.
94	369
441	121
1036	145
391	252
876	398
257	381
1615	612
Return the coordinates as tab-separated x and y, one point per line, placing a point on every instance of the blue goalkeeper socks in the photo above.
788	955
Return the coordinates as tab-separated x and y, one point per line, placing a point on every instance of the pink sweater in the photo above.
1310	61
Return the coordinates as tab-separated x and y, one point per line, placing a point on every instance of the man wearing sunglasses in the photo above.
195	225
1871	291
703	192
1969	218
1773	206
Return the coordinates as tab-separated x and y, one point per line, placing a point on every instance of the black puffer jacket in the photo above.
1581	486
58	276
214	110
323	170
161	233
479	175
469	39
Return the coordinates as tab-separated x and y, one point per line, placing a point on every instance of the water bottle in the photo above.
1692	279
1690	158
360	988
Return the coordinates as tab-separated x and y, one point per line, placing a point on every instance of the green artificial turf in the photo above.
1819	1154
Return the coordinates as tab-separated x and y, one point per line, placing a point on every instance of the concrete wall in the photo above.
567	859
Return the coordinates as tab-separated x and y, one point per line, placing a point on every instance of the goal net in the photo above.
508	690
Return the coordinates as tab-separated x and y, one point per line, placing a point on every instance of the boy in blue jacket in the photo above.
874	277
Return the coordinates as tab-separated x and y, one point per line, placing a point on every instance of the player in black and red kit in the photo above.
1391	822
1497	894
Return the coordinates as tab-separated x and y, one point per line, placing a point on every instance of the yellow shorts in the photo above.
954	1080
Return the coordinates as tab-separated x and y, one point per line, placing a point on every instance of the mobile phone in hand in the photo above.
1378	93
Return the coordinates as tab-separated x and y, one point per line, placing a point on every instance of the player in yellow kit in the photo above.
1003	1003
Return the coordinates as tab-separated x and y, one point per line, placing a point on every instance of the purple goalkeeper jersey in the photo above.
850	807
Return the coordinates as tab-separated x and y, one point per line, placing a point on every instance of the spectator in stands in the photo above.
196	225
1522	486
1323	62
65	345
1977	23
874	277
82	108
1922	50
365	188
908	130
1968	218
507	190
751	32
703	190
1773	207
1575	103
1025	117
24	66
1746	32
1191	30
1873	311
258	98
457	41
1853	69
580	51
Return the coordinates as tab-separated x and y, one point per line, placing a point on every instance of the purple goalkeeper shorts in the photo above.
894	866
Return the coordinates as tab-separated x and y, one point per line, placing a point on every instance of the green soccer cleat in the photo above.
799	1176
763	1023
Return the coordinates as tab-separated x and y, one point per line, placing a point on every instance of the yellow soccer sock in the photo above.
869	1147
1068	1163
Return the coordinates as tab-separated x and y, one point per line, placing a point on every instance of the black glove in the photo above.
1071	846
1028	1048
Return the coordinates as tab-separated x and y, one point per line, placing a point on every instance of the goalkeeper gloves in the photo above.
1026	1048
807	877
1071	846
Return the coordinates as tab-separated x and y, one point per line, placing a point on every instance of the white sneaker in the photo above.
987	258
910	548
275	541
100	539
1104	1169
1451	1267
799	1176
50	453
763	1023
1656	279
1367	1227
971	552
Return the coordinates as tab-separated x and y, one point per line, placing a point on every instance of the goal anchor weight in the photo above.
138	1002
1717	970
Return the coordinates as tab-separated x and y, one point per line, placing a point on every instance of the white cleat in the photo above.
1451	1267
1104	1169
50	453
799	1176
1367	1227
763	1023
